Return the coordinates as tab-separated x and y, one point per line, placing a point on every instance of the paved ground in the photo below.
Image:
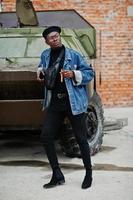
24	168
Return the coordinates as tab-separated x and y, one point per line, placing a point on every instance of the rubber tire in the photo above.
94	122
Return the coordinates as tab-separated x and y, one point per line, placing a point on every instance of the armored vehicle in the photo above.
21	96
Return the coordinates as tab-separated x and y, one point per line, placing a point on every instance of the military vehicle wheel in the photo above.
94	123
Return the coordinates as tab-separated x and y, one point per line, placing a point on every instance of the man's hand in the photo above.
40	74
66	74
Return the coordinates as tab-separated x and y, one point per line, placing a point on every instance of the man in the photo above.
68	98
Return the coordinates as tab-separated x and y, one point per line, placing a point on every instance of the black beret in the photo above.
51	29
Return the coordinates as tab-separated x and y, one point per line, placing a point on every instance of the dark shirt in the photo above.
60	87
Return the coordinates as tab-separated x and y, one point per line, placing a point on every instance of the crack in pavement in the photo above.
36	163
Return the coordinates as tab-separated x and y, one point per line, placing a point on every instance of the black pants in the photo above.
54	117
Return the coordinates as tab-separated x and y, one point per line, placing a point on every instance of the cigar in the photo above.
61	76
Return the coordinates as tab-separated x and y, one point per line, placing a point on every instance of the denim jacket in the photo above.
77	89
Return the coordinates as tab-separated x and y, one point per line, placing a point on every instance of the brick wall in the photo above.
113	21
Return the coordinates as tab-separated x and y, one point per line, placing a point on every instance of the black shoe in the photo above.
87	180
57	179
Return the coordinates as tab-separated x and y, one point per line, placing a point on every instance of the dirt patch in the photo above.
36	163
